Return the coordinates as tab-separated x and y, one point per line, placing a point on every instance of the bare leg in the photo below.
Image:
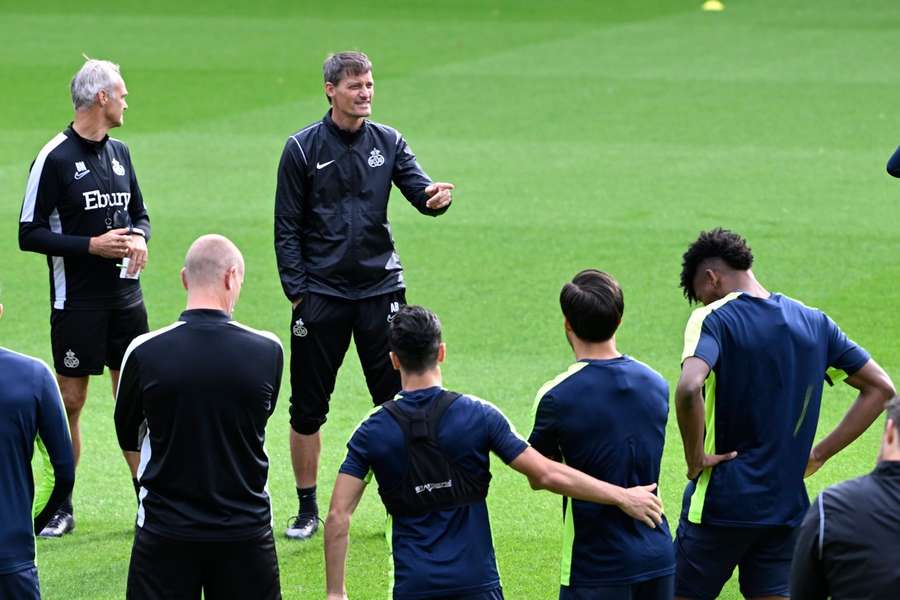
132	458
305	450
74	393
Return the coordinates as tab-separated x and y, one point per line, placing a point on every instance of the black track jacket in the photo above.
332	234
78	189
850	539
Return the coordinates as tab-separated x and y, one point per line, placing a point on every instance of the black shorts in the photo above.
21	585
660	588
706	556
321	328
85	340
162	568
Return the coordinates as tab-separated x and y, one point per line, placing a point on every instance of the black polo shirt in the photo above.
194	399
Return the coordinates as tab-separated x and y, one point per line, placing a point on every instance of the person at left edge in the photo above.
336	256
195	398
84	210
31	415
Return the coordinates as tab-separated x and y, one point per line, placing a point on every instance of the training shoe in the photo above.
303	526
59	525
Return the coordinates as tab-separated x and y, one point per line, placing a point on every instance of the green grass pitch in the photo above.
579	134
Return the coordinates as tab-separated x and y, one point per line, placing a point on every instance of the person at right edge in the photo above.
893	165
849	541
753	369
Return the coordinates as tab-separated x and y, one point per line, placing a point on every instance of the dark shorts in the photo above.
21	585
706	556
660	588
162	568
85	340
321	328
494	594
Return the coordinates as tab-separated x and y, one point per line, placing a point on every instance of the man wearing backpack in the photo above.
429	451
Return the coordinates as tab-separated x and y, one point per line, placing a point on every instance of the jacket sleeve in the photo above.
136	209
290	192
129	411
409	177
41	194
893	165
807	571
55	448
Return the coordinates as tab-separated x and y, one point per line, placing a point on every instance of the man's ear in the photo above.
566	325
890	433
442	353
395	362
329	89
230	272
184	281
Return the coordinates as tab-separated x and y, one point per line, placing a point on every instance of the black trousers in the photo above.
321	329
165	569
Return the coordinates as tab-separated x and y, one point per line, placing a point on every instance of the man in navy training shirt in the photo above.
606	416
336	256
84	210
429	451
849	541
31	410
753	368
194	398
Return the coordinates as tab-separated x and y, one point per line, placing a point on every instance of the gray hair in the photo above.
893	412
95	76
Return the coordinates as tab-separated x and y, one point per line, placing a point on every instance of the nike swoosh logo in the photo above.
323	165
81	174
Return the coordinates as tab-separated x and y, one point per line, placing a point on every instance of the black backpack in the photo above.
431	481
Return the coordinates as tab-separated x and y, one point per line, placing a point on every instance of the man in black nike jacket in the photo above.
336	255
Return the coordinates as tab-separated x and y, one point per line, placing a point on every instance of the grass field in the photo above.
579	134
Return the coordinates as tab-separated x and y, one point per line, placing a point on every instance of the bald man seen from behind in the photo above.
194	399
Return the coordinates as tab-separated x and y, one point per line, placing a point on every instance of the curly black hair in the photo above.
715	243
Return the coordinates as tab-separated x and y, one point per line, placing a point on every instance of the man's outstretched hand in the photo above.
439	195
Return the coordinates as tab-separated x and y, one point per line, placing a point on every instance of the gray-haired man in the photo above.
83	209
336	255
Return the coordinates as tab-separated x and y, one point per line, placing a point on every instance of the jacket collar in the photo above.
887	468
348	137
204	315
94	146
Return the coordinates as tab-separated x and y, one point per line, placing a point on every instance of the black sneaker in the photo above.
59	525
303	526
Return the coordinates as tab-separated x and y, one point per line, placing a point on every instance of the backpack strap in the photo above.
421	424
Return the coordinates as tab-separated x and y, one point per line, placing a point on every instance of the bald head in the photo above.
208	260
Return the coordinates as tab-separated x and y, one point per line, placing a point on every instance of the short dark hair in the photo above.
893	412
593	304
415	338
340	64
715	243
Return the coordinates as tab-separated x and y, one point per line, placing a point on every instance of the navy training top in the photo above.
607	418
31	409
446	552
769	358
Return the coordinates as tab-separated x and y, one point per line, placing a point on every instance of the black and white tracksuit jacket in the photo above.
78	189
332	234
